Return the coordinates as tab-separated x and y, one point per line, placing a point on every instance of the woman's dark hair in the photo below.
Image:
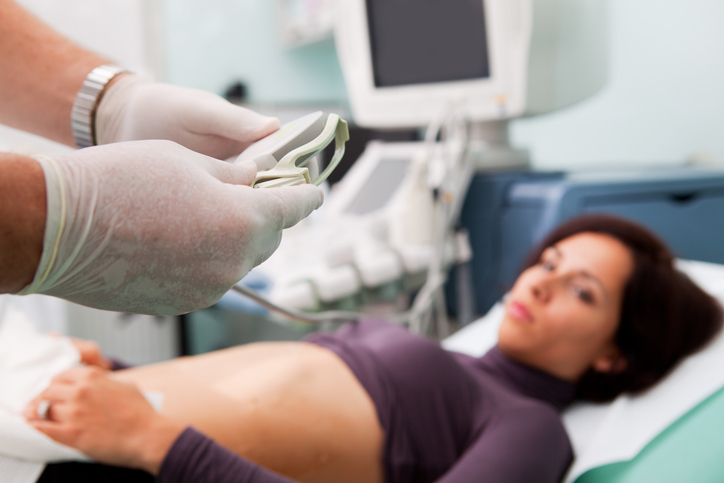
664	316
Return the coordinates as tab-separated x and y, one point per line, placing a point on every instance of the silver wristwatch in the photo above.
82	117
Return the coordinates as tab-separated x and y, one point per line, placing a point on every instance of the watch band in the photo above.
82	116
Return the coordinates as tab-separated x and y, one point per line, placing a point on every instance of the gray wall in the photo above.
211	43
665	98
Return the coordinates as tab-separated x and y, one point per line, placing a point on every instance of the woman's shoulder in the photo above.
534	414
534	424
524	442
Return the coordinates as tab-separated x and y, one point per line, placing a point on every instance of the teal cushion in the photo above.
690	450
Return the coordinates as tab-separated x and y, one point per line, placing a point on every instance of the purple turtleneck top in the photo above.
447	417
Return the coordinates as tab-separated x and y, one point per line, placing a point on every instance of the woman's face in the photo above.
563	312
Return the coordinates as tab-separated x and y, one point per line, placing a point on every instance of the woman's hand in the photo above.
108	420
90	354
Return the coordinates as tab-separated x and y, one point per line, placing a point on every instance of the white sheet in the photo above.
28	362
618	431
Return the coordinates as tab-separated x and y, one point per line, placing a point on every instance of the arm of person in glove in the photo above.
145	227
22	220
152	227
41	73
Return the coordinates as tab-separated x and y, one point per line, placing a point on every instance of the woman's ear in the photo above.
611	361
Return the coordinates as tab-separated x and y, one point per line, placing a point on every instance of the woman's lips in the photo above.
520	311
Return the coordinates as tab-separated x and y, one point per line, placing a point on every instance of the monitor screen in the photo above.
427	41
380	186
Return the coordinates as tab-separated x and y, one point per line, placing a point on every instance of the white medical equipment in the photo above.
406	63
619	430
462	68
376	229
302	22
380	229
286	157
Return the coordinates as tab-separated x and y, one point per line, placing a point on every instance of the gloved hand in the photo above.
135	108
152	227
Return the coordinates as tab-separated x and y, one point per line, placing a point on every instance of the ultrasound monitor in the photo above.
416	54
407	62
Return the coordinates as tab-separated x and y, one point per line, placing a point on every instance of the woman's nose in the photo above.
542	288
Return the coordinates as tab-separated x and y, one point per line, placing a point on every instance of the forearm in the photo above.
22	220
193	458
41	72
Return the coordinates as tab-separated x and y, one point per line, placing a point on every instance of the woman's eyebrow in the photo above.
590	276
584	273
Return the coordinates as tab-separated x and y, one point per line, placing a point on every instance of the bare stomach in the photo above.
292	407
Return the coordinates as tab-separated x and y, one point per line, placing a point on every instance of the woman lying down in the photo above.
599	310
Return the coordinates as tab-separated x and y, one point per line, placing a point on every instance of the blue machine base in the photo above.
507	213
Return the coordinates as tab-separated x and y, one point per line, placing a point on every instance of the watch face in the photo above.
269	150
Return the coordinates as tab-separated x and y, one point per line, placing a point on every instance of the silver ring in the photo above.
43	409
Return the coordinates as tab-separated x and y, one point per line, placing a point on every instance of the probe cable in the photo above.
309	318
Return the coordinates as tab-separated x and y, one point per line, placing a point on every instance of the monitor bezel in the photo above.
500	96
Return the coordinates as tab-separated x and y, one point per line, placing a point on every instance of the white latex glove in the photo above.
155	228
135	108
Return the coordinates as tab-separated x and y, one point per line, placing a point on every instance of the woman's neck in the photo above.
526	380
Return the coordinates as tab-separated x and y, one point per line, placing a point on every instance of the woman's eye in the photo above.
547	266
583	294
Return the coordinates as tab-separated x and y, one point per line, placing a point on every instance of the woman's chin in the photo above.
513	339
507	337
